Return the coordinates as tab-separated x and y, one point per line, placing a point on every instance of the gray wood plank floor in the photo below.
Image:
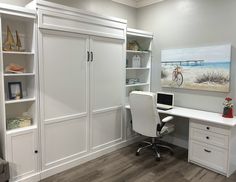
123	166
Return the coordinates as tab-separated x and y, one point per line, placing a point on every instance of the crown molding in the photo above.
143	3
137	3
131	3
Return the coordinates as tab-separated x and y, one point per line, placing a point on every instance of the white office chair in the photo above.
146	120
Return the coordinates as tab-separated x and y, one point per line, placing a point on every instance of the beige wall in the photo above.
191	23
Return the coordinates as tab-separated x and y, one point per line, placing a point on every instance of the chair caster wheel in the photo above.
137	154
158	159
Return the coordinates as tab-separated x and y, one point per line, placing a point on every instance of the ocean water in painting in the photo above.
204	68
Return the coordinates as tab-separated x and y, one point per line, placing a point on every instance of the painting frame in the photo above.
15	90
198	68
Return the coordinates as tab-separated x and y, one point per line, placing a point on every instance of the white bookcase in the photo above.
19	145
141	74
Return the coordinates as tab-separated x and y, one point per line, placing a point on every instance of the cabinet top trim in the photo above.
139	33
42	4
17	11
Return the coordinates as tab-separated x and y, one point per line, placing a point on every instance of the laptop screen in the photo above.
164	98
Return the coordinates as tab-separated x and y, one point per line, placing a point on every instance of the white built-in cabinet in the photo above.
106	91
141	73
22	154
19	146
212	146
82	81
64	96
73	87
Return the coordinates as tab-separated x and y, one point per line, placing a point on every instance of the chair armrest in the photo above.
167	119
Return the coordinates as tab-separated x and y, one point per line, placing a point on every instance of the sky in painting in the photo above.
220	53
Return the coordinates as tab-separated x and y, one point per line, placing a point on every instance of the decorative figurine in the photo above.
14	68
9	43
18	42
228	108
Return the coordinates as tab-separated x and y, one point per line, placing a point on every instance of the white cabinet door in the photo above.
22	153
63	96
106	90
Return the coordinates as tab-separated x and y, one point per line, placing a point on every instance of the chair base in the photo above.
155	147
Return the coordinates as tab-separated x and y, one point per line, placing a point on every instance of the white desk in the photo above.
212	139
211	117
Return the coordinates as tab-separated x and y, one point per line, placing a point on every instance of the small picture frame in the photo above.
15	90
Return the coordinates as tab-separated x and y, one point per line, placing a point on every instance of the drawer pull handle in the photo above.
207	137
208	128
208	151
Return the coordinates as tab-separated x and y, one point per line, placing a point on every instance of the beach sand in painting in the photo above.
194	78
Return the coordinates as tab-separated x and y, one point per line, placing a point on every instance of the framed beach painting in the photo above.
201	68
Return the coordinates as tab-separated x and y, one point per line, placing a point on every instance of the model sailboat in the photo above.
9	43
18	42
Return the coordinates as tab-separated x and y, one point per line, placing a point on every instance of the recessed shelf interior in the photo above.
26	61
28	86
17	110
145	63
25	28
142	75
143	42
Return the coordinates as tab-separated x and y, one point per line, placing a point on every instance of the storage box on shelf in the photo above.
138	67
19	128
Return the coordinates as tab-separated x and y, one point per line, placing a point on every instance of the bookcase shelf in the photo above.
18	74
22	28
20	100
20	130
137	68
137	84
141	75
18	52
138	52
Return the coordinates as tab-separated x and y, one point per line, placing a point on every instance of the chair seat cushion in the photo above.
168	128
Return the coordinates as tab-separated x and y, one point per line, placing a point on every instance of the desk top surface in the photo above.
212	117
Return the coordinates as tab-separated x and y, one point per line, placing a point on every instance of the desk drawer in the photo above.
209	137
209	156
209	127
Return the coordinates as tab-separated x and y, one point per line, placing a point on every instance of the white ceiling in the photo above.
137	3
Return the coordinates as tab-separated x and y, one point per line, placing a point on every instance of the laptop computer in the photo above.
165	101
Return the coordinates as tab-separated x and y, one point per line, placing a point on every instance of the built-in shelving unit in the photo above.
138	77
18	65
24	58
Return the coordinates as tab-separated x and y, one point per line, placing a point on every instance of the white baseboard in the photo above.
73	163
176	141
31	178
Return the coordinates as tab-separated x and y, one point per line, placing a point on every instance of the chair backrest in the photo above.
144	113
